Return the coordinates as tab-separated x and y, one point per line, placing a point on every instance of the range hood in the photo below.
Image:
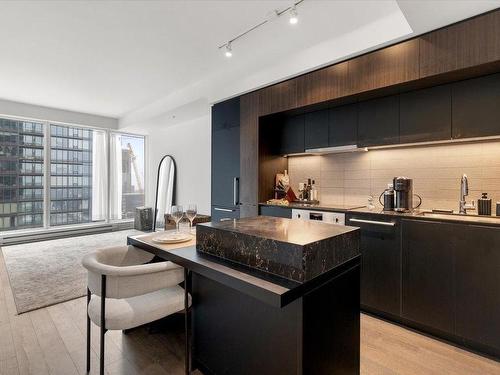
335	150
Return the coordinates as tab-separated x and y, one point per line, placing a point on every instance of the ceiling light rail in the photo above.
228	51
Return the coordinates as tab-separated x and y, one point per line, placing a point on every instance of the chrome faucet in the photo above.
464	191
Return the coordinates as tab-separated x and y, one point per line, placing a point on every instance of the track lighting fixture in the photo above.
229	50
294	17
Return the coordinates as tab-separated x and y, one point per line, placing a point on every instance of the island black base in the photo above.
234	333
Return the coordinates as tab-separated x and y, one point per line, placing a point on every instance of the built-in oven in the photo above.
324	216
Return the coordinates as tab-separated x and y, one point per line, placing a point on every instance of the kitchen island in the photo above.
271	296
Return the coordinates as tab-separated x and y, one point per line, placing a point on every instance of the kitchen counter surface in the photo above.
416	214
319	207
434	216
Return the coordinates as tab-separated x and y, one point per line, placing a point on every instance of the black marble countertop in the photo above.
298	232
297	250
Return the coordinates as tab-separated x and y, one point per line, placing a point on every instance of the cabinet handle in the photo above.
384	223
225	219
236	191
223	209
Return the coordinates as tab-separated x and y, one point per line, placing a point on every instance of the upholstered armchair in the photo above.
125	291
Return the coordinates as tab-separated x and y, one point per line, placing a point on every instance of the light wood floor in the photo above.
52	341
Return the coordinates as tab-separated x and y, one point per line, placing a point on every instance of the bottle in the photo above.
484	205
314	191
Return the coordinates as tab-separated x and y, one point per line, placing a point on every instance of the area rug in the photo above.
49	272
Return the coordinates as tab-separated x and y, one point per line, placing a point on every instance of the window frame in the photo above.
46	227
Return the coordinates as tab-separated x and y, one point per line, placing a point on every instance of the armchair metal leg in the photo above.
103	322
186	323
88	331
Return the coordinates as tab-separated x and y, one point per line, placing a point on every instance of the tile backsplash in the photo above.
436	171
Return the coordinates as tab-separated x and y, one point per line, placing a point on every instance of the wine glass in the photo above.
191	213
177	214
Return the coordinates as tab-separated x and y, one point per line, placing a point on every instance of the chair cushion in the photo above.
135	311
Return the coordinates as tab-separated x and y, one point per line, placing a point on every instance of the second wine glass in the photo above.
191	213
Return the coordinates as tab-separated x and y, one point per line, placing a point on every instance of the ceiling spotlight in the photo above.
229	50
294	17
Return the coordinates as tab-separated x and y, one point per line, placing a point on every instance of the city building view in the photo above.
76	170
21	174
70	175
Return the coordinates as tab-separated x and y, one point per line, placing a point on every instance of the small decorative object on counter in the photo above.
370	205
498	208
143	219
484	205
278	202
282	183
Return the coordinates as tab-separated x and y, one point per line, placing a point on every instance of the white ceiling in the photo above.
138	59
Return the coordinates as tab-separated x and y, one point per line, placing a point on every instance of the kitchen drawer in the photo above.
223	213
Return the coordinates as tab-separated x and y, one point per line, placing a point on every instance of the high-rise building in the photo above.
21	174
70	175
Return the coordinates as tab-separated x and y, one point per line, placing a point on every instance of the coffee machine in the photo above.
403	194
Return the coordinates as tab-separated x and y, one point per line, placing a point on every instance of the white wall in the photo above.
190	145
37	112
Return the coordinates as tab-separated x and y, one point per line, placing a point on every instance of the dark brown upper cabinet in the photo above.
476	107
249	153
343	125
279	97
425	115
322	85
463	45
316	129
291	135
378	121
385	67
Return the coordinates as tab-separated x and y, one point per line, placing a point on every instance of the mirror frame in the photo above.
158	183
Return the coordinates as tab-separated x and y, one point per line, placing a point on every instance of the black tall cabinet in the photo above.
225	159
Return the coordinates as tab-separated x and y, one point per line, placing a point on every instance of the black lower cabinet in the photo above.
380	262
223	213
477	279
428	295
276	211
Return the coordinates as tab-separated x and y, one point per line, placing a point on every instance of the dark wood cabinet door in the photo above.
378	121
316	129
279	97
385	67
460	46
249	153
477	278
380	263
322	85
425	115
476	108
225	152
291	135
428	288
343	125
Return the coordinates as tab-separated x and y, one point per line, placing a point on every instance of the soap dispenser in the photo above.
484	205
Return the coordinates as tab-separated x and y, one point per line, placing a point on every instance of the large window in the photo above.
58	174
